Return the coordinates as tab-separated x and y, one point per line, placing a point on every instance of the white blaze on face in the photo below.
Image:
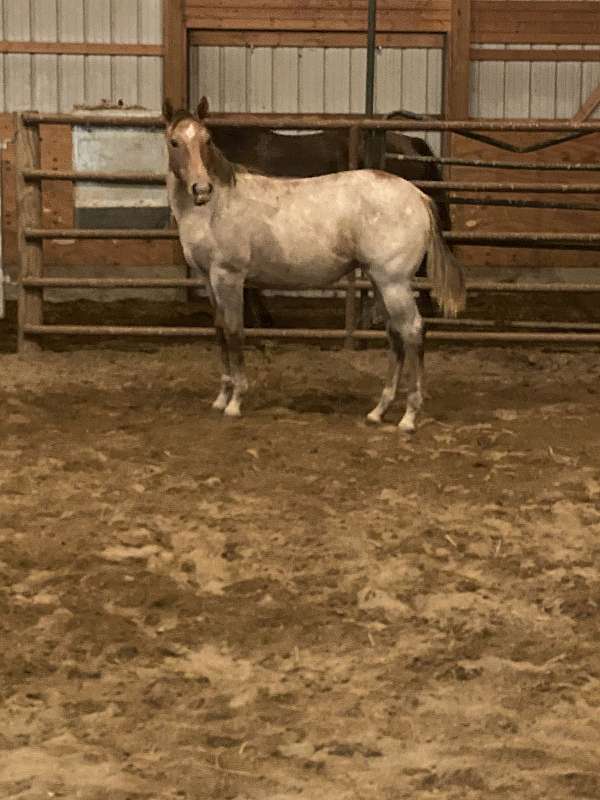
188	132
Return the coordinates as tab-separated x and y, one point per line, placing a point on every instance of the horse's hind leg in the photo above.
406	325
226	390
396	360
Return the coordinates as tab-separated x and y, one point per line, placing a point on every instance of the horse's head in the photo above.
193	158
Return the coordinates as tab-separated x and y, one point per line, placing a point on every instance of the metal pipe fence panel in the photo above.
33	281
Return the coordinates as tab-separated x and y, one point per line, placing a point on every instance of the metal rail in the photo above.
465	186
181	283
309	333
316	121
96	177
551	241
33	234
497	186
515	202
474	162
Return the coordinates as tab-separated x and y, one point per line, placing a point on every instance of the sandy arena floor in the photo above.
296	605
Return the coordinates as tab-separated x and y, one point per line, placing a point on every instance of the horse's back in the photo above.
360	215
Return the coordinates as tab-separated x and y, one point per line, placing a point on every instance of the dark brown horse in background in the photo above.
306	155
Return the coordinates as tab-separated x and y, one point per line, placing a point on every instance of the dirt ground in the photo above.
295	604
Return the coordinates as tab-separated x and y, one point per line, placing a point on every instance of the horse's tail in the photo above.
443	270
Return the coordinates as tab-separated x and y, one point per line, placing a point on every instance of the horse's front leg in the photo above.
226	389
228	291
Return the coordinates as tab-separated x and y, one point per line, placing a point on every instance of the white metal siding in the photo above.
315	79
57	83
532	89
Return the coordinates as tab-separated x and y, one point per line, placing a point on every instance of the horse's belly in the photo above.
290	274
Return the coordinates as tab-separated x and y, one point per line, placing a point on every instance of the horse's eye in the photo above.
174	143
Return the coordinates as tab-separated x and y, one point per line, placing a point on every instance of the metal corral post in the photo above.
29	207
370	78
354	135
371	30
2	307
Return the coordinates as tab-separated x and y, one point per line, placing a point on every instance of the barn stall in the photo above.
295	603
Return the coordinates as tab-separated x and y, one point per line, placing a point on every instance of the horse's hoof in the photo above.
219	405
232	412
374	418
406	427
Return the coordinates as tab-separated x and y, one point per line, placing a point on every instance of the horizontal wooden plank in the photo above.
107	254
82	48
541	35
192	7
545	21
569	54
311	39
427	19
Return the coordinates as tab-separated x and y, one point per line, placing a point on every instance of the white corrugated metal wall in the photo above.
530	89
60	82
316	79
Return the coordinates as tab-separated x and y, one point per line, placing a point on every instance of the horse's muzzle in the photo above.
202	193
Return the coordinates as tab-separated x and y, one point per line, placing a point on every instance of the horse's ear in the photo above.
167	110
202	110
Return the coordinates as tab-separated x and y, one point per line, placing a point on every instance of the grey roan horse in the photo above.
312	153
235	225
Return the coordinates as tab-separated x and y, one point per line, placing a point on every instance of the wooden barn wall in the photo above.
491	20
320	15
288	78
53	82
557	21
531	89
316	79
484	219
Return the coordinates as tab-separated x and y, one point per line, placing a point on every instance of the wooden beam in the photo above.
8	187
82	48
542	21
485	54
175	61
267	38
588	108
457	64
29	212
175	78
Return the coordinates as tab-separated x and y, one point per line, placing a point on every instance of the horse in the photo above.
308	154
237	226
